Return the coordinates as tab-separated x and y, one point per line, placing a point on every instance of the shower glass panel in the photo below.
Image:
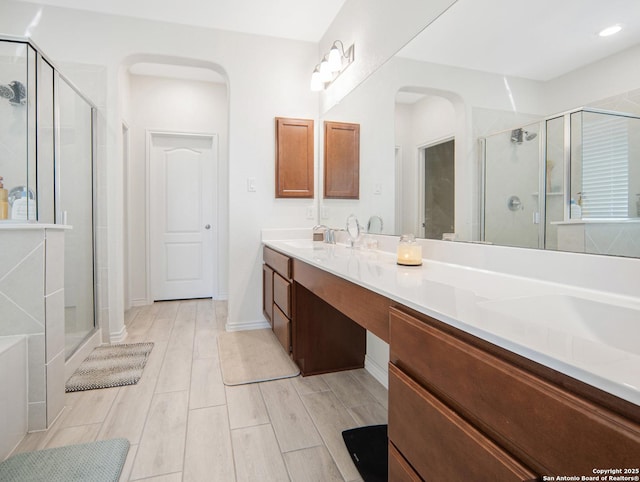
554	180
605	166
75	206
46	162
46	143
511	208
17	131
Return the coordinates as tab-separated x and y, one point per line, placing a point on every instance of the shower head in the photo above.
6	92
520	135
516	136
14	92
19	93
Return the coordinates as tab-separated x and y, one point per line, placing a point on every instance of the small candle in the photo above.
409	252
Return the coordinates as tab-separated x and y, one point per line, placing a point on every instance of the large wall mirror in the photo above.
507	123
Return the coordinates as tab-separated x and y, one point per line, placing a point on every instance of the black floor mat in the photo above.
369	451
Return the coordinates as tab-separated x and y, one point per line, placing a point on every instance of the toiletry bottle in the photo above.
4	201
576	210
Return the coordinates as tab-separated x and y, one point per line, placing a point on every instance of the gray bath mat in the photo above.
110	366
100	461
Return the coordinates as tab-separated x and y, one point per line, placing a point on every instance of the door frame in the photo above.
215	218
421	179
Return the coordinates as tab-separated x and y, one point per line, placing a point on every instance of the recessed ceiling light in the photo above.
610	30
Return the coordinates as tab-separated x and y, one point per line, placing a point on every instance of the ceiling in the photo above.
304	20
538	40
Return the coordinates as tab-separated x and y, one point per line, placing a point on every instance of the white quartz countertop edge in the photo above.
456	295
14	225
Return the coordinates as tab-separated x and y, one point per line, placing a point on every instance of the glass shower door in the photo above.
74	206
511	208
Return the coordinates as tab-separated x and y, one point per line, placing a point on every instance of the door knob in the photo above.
207	226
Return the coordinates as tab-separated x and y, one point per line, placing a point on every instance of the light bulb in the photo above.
316	81
325	72
335	60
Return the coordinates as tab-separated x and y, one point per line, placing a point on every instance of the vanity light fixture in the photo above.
331	66
612	30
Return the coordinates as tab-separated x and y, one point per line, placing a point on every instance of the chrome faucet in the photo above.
374	225
328	234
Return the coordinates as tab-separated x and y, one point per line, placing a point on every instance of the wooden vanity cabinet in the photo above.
294	158
276	291
456	403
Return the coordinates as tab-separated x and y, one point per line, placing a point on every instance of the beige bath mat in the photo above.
253	356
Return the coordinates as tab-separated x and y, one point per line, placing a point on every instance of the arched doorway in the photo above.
177	113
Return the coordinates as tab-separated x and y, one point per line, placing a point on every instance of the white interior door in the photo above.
181	212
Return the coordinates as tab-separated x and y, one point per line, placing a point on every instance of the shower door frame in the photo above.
58	214
542	166
542	172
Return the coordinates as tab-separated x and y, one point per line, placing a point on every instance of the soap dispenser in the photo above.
4	201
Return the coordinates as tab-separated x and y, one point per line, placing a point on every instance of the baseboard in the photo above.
251	325
81	353
378	372
139	302
118	336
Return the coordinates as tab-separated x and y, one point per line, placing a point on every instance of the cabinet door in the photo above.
282	328
282	294
341	160
294	158
267	293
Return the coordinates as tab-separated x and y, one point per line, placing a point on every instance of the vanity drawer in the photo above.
438	443
278	261
548	428
282	328
282	294
399	468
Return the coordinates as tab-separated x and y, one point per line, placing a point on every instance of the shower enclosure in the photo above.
46	162
586	164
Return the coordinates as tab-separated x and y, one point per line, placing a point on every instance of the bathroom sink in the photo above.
303	243
608	324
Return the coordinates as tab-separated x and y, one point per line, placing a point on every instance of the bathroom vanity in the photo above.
482	385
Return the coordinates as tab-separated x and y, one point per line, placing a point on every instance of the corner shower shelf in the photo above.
553	193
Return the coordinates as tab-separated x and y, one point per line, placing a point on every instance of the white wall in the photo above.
173	105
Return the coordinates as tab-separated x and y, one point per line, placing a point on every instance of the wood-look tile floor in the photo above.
184	424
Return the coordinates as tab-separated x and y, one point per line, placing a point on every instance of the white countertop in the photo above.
24	225
589	335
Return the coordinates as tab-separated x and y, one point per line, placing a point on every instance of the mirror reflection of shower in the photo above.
518	136
511	212
14	92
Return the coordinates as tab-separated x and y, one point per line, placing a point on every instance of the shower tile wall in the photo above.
32	304
619	239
